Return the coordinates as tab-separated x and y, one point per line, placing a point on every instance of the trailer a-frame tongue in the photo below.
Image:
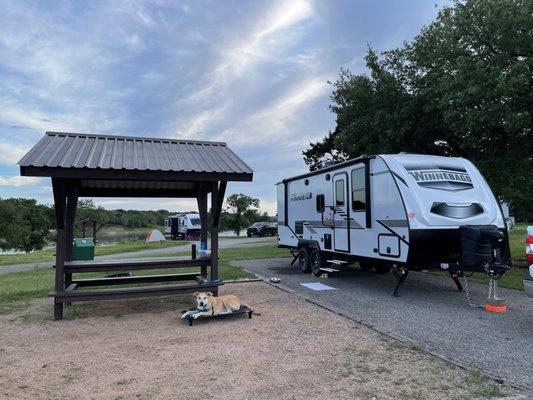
84	165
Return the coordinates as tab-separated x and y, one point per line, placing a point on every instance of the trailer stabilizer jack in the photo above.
401	274
295	256
455	276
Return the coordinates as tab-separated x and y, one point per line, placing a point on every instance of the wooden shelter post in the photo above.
217	198
59	190
72	205
202	210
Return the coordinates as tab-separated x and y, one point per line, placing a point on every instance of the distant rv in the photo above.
183	226
396	211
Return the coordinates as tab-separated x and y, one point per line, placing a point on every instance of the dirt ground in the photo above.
140	349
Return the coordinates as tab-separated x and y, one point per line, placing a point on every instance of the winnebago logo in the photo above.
442	179
300	196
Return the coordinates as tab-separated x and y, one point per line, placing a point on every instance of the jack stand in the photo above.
494	303
455	276
295	256
401	274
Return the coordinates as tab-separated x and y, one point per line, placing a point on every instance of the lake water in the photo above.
232	234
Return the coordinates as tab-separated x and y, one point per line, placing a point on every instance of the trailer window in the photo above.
358	189
320	203
339	192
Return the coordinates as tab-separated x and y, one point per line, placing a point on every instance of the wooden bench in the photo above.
72	293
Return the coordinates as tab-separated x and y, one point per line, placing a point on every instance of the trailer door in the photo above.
340	212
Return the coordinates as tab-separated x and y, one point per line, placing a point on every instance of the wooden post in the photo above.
202	210
60	210
72	204
217	197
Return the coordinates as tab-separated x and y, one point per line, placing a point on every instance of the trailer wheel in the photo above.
382	269
316	261
303	259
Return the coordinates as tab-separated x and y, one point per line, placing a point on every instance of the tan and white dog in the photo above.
207	305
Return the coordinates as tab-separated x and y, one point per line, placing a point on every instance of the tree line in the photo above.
26	225
463	87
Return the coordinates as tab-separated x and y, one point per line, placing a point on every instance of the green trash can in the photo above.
82	249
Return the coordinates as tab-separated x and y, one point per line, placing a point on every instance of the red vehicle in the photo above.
528	280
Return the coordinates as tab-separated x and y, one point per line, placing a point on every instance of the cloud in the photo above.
19	181
268	42
270	124
11	154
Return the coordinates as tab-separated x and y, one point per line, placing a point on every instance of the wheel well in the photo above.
311	244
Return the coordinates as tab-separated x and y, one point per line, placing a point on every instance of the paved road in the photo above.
164	251
430	311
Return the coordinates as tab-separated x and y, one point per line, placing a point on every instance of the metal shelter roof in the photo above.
125	158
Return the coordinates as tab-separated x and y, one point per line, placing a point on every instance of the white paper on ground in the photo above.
317	286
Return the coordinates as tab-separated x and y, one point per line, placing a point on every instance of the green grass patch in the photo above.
18	287
125	247
517	243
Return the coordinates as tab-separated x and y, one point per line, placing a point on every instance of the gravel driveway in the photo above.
140	349
430	311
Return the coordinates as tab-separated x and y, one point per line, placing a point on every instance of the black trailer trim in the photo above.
330	168
368	208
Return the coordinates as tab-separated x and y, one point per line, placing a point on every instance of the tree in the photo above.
462	87
240	210
25	224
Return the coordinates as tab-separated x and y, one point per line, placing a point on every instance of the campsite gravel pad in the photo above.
290	349
430	311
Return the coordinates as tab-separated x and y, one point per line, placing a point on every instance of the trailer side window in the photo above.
339	193
358	189
320	203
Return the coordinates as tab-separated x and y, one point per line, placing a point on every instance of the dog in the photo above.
208	305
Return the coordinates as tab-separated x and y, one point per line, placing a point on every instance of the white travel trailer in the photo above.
183	226
396	211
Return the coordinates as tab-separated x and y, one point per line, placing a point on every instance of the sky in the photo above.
251	73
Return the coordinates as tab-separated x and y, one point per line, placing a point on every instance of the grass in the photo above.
48	255
517	243
19	287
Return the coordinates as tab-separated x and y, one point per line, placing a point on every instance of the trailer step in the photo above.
337	262
330	270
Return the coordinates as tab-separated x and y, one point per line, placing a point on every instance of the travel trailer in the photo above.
396	211
183	226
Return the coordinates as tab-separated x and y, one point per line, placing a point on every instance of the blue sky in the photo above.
251	73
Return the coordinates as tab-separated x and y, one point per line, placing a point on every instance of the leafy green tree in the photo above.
88	210
463	87
240	210
25	225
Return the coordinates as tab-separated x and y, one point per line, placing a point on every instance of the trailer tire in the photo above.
382	269
316	261
303	259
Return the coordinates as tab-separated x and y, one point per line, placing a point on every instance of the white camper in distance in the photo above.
183	226
399	211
